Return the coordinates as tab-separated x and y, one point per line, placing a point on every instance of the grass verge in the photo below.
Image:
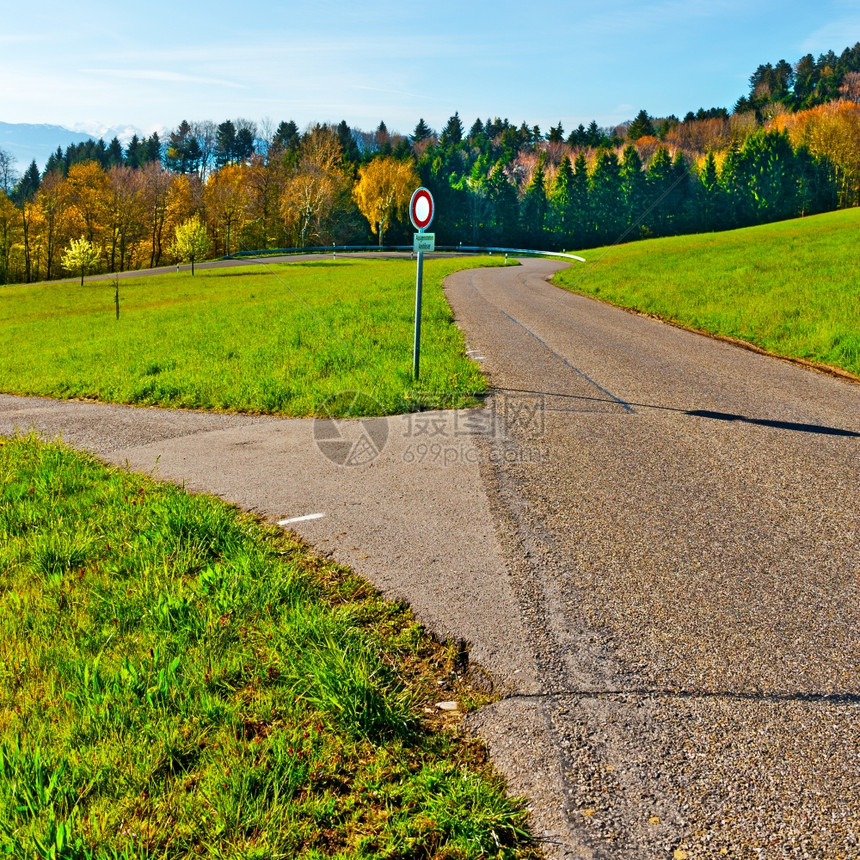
178	679
790	288
271	338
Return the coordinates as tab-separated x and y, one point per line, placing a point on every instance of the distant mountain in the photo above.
26	142
108	132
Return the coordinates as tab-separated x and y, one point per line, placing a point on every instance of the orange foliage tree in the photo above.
831	130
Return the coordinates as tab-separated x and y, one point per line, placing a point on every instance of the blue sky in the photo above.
153	63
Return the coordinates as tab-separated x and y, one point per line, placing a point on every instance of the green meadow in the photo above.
790	288
261	338
179	680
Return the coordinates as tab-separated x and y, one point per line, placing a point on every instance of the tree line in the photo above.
497	183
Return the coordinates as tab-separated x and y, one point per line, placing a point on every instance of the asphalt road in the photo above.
686	557
649	539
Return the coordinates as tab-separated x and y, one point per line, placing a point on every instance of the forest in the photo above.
789	148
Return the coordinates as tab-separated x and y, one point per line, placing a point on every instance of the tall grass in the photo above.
790	288
178	680
277	338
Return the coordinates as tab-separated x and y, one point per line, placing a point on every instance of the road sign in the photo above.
421	209
423	242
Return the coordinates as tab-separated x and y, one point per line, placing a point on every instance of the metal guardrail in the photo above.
456	249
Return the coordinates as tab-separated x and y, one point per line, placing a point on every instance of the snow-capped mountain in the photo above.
27	142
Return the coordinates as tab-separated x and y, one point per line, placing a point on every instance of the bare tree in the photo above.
8	174
850	88
205	133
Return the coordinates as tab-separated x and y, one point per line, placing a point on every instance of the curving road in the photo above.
648	537
686	558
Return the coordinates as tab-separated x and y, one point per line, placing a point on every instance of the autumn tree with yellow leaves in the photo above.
315	191
383	191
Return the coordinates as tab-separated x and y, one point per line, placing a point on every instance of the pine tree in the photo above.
133	152
28	185
56	162
641	126
555	134
534	207
580	202
710	204
561	206
225	144
422	131
633	187
115	157
606	197
152	150
476	132
452	134
503	197
659	182
288	137
351	153
243	148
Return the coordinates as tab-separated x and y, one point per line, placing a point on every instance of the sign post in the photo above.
421	214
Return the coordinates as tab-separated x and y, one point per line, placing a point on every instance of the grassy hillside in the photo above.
178	680
271	338
791	288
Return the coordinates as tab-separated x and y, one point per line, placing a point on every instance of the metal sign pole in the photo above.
416	351
421	214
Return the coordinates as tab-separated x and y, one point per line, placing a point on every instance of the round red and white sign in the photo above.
421	209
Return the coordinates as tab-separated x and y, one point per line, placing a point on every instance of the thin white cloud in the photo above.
161	76
21	38
833	36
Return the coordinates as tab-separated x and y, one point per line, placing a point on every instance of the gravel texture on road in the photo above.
680	518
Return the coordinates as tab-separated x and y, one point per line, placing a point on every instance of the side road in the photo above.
412	519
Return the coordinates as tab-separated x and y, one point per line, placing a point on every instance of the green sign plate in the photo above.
424	242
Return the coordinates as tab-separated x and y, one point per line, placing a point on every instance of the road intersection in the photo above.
648	538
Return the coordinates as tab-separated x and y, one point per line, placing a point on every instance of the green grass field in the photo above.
791	288
277	338
179	680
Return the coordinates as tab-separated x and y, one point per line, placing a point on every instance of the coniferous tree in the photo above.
351	153
133	152
770	174
534	207
659	183
115	157
680	195
606	198
152	150
710	207
561	214
243	148
594	136
288	136
633	188
28	185
452	134
476	132
225	143
177	157
641	126
816	185
734	181
578	137
581	204
422	131
503	197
